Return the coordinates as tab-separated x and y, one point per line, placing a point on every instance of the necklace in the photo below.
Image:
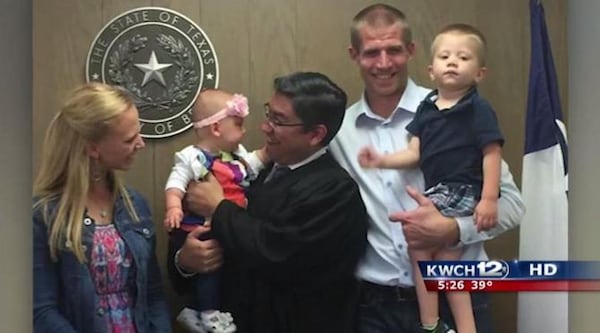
101	205
103	217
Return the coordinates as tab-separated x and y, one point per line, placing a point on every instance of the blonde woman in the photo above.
95	268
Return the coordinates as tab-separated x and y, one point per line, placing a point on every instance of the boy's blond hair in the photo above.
465	30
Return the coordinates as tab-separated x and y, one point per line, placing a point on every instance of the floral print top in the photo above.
113	272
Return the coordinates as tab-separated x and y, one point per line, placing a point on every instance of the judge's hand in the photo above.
203	197
425	227
200	256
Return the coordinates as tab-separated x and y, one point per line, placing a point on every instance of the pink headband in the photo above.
236	106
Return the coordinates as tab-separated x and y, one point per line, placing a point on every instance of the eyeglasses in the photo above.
273	122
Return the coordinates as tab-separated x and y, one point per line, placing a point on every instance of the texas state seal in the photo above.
163	58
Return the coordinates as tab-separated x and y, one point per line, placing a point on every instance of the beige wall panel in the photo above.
62	33
113	8
272	32
323	41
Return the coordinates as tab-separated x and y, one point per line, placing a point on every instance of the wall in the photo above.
257	40
584	153
15	169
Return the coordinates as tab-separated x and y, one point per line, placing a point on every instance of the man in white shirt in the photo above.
381	45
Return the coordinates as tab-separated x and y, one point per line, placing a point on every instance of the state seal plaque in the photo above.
163	58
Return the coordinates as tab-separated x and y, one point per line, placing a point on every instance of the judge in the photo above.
288	259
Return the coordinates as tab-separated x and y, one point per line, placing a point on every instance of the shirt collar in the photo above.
411	98
409	101
466	99
307	160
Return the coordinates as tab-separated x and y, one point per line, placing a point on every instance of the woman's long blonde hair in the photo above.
64	171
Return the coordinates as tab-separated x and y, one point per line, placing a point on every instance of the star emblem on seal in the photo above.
163	58
153	70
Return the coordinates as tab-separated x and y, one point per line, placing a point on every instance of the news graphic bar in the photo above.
500	275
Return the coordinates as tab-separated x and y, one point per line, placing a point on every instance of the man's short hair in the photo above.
379	15
316	99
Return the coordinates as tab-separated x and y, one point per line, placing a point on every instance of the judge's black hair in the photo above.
316	99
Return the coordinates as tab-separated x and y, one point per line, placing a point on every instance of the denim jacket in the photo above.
64	296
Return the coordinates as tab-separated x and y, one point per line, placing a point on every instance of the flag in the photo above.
544	229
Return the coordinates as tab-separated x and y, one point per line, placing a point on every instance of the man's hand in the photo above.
200	256
425	227
203	197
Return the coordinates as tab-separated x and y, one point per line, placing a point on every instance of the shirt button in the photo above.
389	184
100	312
146	231
405	273
400	246
87	221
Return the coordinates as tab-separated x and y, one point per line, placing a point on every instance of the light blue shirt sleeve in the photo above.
510	212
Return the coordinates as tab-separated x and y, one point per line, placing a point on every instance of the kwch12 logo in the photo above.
492	269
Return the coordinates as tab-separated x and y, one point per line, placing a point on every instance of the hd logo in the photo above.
163	58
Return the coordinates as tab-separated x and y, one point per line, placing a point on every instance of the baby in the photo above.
219	129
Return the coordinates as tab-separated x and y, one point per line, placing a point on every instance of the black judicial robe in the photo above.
290	256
